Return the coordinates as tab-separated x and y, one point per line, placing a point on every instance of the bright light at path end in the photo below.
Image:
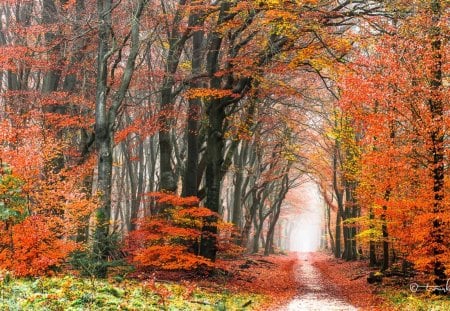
305	236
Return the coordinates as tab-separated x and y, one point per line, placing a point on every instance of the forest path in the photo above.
316	291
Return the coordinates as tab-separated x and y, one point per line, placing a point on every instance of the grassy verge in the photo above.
73	293
406	300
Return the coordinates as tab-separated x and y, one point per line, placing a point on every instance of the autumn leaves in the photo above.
397	100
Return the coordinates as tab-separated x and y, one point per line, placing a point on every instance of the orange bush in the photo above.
162	244
169	241
31	248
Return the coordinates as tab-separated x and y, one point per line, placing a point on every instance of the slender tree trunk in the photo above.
136	184
103	138
350	252
240	160
276	215
329	229
337	250
346	235
153	144
340	203
104	121
259	223
436	106
384	231
324	232
372	254
338	192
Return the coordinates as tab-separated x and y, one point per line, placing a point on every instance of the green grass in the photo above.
406	300
73	293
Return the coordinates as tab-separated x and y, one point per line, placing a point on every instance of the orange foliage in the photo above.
172	199
51	201
169	257
389	95
196	212
169	241
31	247
208	93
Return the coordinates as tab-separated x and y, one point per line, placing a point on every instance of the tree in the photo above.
105	117
170	240
402	117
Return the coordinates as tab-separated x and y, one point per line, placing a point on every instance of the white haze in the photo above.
305	236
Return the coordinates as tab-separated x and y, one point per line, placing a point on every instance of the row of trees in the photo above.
389	135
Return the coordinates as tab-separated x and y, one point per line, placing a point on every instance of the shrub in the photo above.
31	247
170	240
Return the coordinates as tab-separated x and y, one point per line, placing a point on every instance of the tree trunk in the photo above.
340	203
330	232
136	185
176	44
385	233
437	150
105	119
245	235
215	110
276	215
372	254
192	170
214	151
51	77
103	138
240	160
259	223
337	250
350	252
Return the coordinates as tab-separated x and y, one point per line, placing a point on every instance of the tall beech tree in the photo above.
437	133
176	38
106	115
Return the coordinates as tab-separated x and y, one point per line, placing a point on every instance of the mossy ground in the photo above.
74	293
407	300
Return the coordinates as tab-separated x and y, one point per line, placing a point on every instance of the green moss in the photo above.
72	293
406	300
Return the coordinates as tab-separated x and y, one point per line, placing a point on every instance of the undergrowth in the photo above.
407	300
74	293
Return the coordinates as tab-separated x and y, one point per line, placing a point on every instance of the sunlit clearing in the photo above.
305	236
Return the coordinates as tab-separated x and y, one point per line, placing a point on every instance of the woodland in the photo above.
149	151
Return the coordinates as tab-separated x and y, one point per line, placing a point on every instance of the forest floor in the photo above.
327	283
249	283
296	281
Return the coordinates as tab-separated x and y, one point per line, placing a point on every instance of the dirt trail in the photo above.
316	292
